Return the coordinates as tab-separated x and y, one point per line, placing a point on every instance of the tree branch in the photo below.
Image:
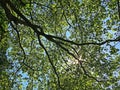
26	22
54	69
23	62
50	37
11	17
118	3
19	40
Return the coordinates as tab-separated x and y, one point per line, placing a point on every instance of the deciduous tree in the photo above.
61	44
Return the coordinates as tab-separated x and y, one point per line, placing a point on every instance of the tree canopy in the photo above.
59	44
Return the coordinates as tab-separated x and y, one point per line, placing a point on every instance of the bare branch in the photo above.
50	37
86	73
19	40
23	62
55	71
118	3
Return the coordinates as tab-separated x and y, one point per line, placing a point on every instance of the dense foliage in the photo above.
59	44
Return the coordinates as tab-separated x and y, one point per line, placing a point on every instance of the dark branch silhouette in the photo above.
7	5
